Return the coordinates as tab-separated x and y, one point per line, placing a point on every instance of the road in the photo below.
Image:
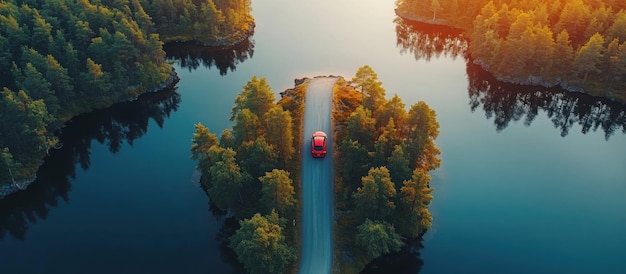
317	181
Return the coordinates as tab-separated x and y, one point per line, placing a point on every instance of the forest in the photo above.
382	187
61	58
208	22
579	45
250	171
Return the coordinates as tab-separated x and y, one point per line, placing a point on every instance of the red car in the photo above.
318	144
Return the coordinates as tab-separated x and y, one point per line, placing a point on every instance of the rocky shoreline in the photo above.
15	186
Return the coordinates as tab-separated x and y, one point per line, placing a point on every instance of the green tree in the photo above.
226	178
278	123
384	146
589	56
412	217
361	127
257	96
375	198
398	165
278	191
373	93
257	157
377	238
246	127
355	162
202	142
423	128
260	244
563	59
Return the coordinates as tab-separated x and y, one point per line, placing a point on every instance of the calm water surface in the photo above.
531	181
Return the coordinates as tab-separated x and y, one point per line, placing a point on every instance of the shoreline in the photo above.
533	80
20	185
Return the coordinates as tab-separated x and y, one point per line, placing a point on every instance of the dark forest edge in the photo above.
116	126
578	45
59	59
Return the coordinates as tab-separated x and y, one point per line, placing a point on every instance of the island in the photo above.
381	183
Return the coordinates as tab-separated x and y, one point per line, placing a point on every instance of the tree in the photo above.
202	142
355	162
423	128
563	58
278	191
361	127
226	178
257	96
392	109
412	217
589	56
246	127
398	165
384	146
278	123
373	93
434	6
257	157
377	238
374	199
260	245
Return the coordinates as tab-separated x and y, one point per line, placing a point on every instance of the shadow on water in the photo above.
426	41
123	122
191	56
507	102
407	260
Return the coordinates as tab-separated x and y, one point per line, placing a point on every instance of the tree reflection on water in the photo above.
426	41
507	102
123	122
190	55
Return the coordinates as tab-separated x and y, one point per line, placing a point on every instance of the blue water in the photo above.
518	199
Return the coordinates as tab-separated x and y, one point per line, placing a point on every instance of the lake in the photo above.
532	180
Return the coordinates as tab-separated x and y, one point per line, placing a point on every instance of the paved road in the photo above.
317	184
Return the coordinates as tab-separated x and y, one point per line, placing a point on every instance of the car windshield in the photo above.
318	147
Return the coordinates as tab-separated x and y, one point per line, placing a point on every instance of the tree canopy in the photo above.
250	172
384	155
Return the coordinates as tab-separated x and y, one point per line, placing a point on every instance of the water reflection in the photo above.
191	56
426	41
120	123
407	260
507	102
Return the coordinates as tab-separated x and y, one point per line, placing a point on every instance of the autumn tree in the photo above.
260	244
